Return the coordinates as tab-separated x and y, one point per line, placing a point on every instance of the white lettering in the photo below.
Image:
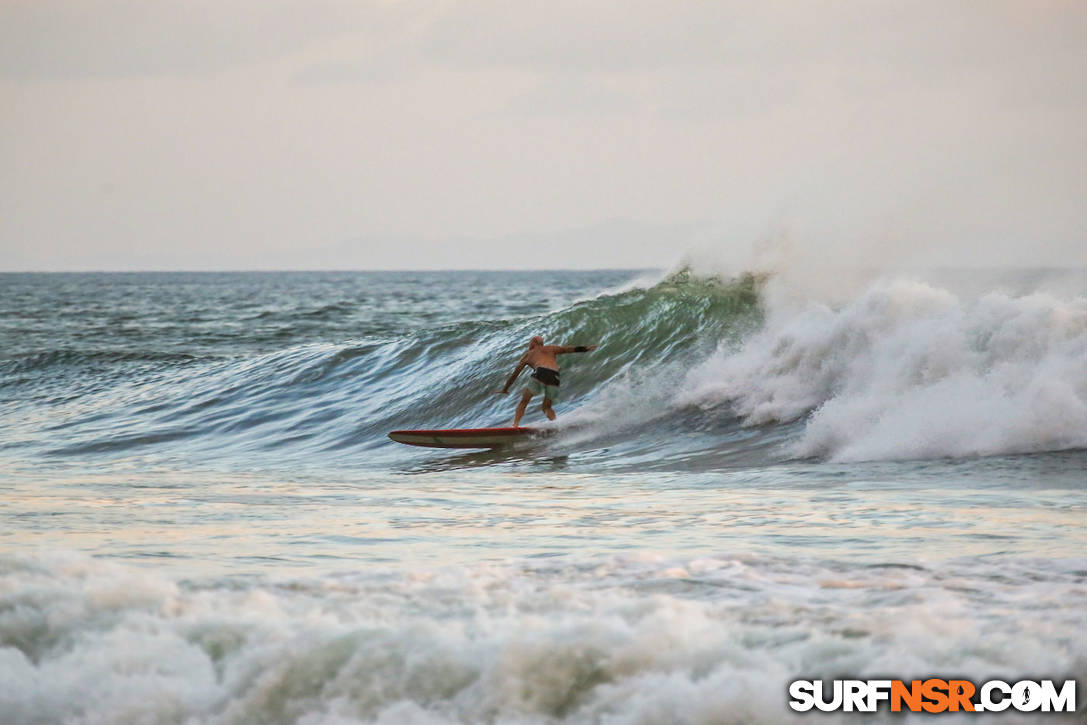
834	703
854	695
1064	701
802	692
987	702
1026	696
878	690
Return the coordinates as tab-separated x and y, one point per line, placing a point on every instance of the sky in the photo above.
267	134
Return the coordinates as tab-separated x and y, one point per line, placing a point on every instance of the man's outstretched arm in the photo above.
563	349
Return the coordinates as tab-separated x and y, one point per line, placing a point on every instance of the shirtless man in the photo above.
545	377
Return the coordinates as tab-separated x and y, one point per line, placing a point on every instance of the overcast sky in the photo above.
269	134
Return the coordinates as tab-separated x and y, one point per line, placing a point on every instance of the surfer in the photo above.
545	376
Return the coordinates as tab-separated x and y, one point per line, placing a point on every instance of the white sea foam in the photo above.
910	370
603	640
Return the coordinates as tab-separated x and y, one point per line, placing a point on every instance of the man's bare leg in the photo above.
547	409
525	397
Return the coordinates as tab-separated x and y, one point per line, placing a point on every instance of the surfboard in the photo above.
463	437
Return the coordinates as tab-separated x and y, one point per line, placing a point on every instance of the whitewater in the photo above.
752	480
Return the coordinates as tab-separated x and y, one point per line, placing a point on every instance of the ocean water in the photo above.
749	482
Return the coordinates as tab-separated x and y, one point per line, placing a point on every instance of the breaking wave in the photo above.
691	372
910	370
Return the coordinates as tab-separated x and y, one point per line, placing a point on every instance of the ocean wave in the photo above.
643	639
42	360
322	397
691	372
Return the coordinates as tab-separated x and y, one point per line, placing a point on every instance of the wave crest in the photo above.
908	370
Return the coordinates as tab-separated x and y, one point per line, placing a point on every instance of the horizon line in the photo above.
301	270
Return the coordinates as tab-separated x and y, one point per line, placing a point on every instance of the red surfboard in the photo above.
463	437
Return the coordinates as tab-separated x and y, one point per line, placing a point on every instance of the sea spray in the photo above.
909	370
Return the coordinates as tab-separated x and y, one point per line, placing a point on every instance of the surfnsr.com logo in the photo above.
933	695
